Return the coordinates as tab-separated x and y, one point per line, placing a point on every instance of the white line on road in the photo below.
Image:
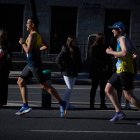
79	131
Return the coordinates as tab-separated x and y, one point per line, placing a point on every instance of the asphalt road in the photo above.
81	123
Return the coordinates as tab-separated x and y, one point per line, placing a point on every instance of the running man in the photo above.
124	75
33	47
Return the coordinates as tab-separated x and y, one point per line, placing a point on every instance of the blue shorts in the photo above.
125	80
29	72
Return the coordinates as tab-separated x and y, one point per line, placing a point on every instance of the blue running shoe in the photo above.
24	110
63	109
118	116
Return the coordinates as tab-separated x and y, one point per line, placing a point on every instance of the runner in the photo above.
124	75
33	47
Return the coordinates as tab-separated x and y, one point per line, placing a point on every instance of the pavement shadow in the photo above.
88	118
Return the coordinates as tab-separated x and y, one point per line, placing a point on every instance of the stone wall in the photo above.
90	16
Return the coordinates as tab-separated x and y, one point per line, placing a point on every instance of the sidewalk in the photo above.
83	78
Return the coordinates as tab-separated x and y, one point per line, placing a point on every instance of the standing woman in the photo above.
69	62
5	63
100	69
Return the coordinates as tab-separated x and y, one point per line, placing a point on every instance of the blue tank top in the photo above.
125	64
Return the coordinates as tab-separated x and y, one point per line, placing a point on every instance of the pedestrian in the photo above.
69	62
33	47
100	69
124	75
5	66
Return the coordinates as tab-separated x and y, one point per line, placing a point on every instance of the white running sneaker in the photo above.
138	124
63	109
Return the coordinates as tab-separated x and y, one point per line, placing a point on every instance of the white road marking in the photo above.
80	131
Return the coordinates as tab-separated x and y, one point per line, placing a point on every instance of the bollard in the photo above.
46	97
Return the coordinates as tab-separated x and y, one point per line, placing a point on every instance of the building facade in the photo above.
60	18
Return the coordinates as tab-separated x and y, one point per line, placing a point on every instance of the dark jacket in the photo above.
69	66
100	62
6	59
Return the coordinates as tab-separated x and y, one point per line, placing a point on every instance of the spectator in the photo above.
5	66
69	62
100	69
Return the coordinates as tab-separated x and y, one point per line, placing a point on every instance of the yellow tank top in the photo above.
125	64
38	40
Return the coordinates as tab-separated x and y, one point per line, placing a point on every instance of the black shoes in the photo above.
91	106
102	107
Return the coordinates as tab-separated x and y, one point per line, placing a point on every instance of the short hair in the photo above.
34	20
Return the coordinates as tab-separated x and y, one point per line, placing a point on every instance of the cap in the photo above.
117	25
